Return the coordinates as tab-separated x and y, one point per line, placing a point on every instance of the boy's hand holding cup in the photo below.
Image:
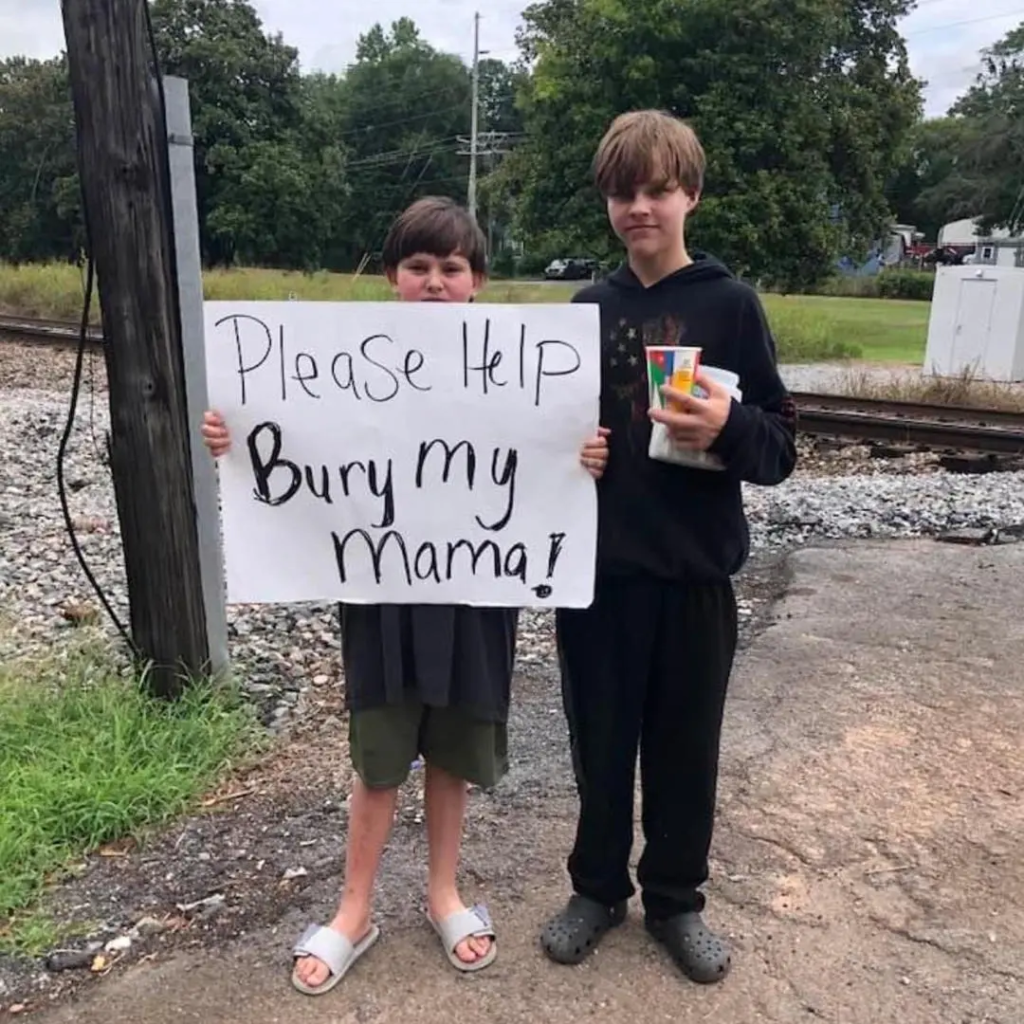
689	405
694	421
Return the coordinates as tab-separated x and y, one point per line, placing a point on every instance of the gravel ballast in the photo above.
285	651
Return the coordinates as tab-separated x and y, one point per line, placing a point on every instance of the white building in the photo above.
976	324
998	248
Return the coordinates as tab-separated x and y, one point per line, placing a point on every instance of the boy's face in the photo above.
650	222
426	278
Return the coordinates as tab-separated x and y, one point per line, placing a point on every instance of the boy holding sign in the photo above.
420	679
647	665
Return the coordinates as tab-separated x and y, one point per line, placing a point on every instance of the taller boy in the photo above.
648	664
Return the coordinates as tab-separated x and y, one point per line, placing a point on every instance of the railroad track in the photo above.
54	332
914	424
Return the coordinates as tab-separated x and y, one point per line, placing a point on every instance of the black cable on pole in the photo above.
63	448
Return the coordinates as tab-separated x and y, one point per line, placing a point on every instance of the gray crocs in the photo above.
474	923
333	950
700	954
572	935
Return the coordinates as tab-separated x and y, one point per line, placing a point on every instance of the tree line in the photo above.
808	110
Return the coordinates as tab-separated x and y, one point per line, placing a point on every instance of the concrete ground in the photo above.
868	861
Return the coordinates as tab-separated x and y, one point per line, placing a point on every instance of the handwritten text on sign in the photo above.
406	452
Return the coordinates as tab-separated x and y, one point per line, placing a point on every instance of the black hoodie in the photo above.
673	522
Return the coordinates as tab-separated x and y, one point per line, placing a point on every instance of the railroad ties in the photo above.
52	332
969	439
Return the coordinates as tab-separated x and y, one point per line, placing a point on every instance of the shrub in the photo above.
906	284
916	285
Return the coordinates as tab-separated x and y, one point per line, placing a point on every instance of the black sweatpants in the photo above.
647	665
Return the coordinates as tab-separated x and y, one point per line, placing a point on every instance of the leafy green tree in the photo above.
259	173
919	190
802	105
987	143
406	105
39	193
499	85
270	160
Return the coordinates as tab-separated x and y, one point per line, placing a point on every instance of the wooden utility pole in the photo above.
474	115
122	160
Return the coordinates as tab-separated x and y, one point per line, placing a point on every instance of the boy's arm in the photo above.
758	441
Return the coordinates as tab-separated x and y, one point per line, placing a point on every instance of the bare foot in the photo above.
354	924
443	906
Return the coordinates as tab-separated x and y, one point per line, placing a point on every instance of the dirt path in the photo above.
867	862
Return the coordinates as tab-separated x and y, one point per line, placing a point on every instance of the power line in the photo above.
487	143
925	3
962	24
405	188
392	156
401	120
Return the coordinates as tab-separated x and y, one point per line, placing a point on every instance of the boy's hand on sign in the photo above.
693	422
216	435
595	453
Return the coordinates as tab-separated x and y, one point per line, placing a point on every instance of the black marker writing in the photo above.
376	552
557	540
243	368
507	479
344	375
489	361
317	480
264	468
538	361
376	368
569	363
503	477
449	455
280	353
437	562
393	384
301	378
545	590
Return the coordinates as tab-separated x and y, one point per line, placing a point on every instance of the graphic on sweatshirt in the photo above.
627	361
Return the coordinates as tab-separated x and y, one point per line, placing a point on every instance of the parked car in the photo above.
570	269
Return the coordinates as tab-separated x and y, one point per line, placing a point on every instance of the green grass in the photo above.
254	283
48	290
87	757
881	330
54	290
808	328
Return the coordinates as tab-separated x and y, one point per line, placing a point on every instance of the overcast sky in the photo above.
944	36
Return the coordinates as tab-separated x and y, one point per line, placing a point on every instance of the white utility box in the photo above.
977	323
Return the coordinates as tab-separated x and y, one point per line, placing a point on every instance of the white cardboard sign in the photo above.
387	452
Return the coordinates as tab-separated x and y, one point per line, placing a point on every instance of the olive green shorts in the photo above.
384	742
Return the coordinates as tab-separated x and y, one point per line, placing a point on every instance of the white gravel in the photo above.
851	378
828	377
883	505
287	651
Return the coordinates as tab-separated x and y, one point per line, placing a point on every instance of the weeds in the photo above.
892	283
87	756
965	389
